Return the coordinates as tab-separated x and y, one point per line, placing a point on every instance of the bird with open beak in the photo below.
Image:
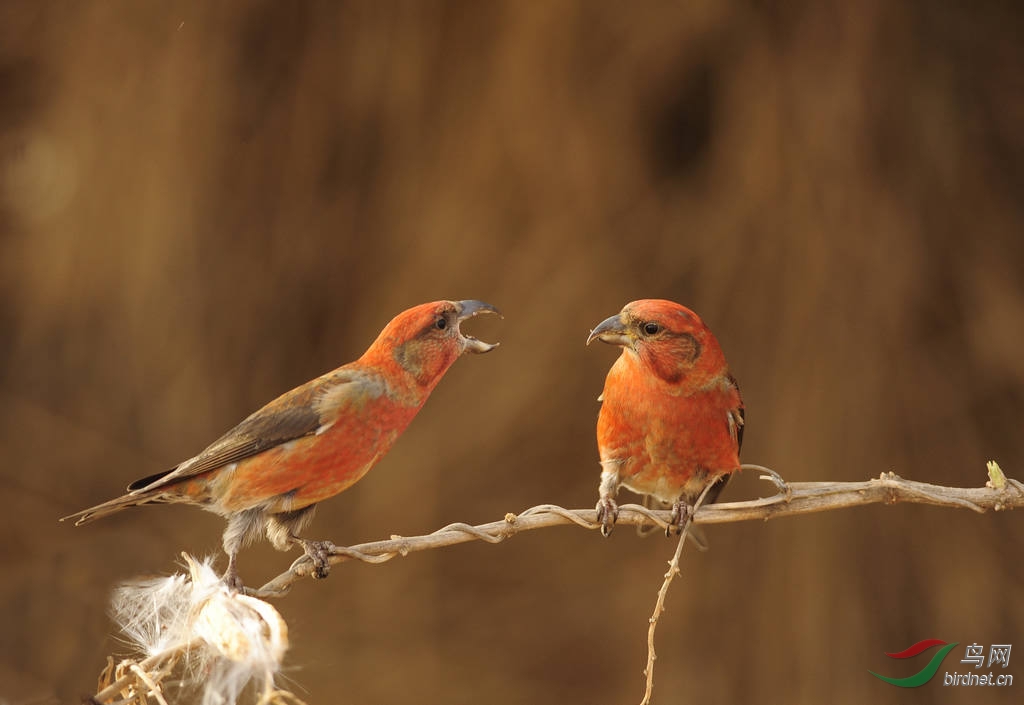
671	419
266	475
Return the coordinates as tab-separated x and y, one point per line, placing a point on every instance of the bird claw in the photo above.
682	512
319	553
607	515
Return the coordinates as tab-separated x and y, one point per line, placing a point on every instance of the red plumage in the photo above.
267	474
671	419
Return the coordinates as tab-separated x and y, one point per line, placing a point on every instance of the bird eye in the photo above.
651	328
441	323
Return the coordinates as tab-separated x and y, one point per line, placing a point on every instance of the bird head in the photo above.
425	340
666	338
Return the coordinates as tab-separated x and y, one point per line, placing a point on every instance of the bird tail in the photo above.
139	492
113	506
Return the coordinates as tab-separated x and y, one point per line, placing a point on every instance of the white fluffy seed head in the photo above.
232	639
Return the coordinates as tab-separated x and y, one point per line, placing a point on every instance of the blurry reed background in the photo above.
205	204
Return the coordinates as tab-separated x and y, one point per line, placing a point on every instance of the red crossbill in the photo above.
671	419
266	475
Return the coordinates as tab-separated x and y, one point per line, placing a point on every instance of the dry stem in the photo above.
134	680
659	605
138	681
792	499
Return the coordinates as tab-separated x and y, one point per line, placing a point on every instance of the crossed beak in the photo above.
612	330
468	309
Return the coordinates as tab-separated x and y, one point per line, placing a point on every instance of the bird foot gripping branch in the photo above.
319	554
607	515
682	512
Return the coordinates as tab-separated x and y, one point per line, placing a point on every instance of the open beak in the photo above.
612	330
468	309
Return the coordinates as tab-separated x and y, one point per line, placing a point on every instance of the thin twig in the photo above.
659	605
793	499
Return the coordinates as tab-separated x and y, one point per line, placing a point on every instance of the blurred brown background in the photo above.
205	204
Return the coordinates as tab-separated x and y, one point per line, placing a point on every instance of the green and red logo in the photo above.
926	673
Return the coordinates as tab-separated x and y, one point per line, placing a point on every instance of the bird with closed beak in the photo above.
671	419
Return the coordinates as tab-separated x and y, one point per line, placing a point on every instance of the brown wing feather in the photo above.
290	416
738	423
739	428
740	413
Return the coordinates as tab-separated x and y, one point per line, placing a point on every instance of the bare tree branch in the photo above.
141	682
1000	493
